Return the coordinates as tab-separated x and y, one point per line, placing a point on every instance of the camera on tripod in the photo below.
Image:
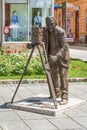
38	35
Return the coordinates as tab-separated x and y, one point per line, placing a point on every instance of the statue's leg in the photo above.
54	70
63	84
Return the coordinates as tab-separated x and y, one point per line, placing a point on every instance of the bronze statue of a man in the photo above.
58	56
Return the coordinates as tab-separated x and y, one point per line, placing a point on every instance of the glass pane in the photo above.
40	3
16	18
38	11
15	1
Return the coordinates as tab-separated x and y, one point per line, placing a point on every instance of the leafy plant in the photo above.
13	63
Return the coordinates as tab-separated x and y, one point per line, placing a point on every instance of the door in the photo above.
77	25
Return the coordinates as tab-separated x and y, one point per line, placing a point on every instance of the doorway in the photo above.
77	25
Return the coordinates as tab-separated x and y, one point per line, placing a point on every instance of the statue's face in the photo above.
50	25
38	13
14	13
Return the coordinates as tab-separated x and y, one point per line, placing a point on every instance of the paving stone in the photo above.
28	115
82	121
76	113
14	125
8	116
40	125
60	116
20	120
36	88
65	124
78	86
83	96
6	93
72	95
79	91
1	128
83	107
1	101
76	54
24	93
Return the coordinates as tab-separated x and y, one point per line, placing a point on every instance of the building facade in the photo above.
76	18
18	16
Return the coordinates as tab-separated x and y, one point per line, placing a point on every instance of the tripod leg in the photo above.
48	74
47	68
25	68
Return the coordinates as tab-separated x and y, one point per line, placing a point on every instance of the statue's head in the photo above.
14	12
38	13
50	23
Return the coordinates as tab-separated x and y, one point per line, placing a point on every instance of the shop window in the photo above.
16	18
38	11
20	15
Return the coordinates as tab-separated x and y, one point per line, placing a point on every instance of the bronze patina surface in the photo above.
58	56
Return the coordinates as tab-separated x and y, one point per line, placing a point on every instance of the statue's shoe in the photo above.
58	93
63	102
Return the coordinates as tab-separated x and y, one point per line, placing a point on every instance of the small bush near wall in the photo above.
12	64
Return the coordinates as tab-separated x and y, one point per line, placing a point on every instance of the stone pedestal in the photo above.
43	105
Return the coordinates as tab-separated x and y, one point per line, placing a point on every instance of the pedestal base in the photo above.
43	105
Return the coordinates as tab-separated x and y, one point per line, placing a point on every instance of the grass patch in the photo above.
77	68
25	77
11	67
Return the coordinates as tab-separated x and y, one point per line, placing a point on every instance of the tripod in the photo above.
45	63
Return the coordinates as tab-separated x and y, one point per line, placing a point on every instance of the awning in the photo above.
57	6
69	5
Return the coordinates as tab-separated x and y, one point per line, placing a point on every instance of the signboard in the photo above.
70	39
69	14
6	30
76	8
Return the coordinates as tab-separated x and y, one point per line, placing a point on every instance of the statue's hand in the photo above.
52	59
59	57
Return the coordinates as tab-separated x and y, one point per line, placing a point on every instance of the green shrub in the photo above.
12	64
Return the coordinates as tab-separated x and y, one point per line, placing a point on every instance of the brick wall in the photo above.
82	18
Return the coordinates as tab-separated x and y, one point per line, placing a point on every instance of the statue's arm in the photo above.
63	44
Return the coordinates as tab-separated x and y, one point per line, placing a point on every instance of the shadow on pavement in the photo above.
4	106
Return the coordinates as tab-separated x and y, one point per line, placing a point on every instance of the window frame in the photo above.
28	10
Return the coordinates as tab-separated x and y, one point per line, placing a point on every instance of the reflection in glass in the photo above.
43	7
20	16
16	19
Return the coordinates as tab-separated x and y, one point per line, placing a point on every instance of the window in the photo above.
42	8
19	17
86	20
16	18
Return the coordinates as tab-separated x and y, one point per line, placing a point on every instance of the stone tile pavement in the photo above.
79	51
11	119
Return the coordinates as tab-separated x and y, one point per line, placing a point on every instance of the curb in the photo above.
26	81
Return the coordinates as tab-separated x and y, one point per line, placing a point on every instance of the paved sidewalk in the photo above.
78	52
79	46
11	119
